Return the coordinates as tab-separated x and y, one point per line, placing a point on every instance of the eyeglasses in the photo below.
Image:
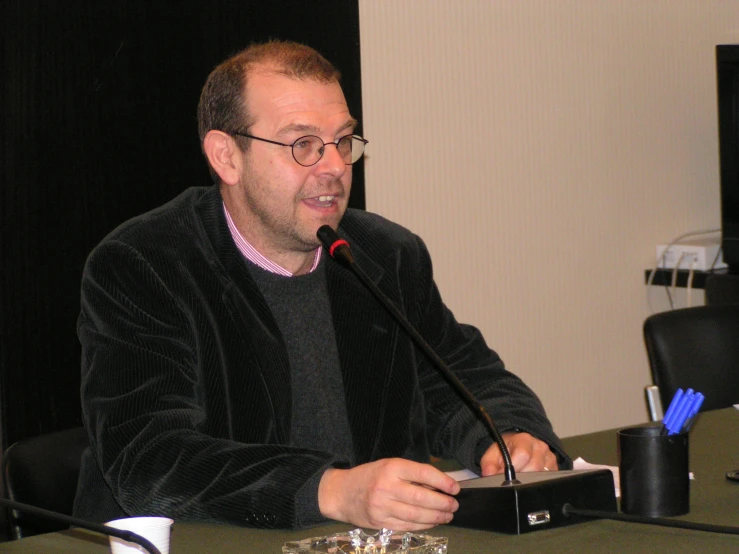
308	150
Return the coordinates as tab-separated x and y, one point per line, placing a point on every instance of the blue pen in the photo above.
697	403
681	413
669	414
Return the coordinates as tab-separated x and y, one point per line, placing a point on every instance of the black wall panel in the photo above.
97	124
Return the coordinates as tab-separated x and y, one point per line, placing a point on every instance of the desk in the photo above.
714	449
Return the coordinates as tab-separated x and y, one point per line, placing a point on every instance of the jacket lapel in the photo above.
252	317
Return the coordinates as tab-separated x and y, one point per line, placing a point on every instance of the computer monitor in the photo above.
727	71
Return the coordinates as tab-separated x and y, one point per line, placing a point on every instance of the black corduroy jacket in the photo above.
186	384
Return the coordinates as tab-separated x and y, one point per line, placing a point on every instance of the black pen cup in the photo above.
653	470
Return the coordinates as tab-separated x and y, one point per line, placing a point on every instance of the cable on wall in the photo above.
661	261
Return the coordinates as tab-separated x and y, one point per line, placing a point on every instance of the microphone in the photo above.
339	249
535	502
128	536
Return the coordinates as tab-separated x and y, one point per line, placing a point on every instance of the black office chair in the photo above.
695	348
42	471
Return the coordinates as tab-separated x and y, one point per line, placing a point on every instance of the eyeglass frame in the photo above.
292	146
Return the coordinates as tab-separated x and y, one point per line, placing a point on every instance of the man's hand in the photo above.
394	493
527	454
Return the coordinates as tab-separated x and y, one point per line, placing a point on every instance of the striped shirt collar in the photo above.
251	253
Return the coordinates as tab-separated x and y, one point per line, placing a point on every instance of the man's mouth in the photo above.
323	201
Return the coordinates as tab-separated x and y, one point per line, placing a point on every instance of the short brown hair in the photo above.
223	103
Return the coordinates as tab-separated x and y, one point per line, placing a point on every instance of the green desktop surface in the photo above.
714	450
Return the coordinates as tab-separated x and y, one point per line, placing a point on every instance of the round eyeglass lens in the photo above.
309	150
353	150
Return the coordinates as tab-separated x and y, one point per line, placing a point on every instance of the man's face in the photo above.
283	203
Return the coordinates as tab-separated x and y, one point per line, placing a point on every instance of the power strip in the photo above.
698	254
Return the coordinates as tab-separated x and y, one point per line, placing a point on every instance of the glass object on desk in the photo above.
357	541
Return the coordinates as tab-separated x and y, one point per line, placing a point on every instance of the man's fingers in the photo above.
524	458
532	455
393	493
527	454
412	506
422	516
415	495
429	476
492	461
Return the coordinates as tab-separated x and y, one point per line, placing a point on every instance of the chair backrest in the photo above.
695	348
43	472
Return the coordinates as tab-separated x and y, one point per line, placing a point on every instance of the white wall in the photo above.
542	149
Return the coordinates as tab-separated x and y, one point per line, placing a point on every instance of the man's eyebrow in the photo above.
312	129
349	125
301	127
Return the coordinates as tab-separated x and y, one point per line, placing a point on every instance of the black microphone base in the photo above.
536	503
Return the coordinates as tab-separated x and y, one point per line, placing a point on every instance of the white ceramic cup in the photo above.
154	529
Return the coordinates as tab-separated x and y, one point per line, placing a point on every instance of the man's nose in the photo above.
332	161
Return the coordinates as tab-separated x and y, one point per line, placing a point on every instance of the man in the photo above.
233	372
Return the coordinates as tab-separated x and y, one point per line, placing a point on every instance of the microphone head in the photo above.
337	247
327	235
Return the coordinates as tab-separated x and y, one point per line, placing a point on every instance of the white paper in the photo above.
462	475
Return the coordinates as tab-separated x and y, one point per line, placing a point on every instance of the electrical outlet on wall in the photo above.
699	254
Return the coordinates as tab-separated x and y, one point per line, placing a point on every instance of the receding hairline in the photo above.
292	59
270	69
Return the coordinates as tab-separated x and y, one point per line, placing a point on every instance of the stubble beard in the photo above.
285	230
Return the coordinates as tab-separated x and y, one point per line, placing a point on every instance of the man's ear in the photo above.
224	156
